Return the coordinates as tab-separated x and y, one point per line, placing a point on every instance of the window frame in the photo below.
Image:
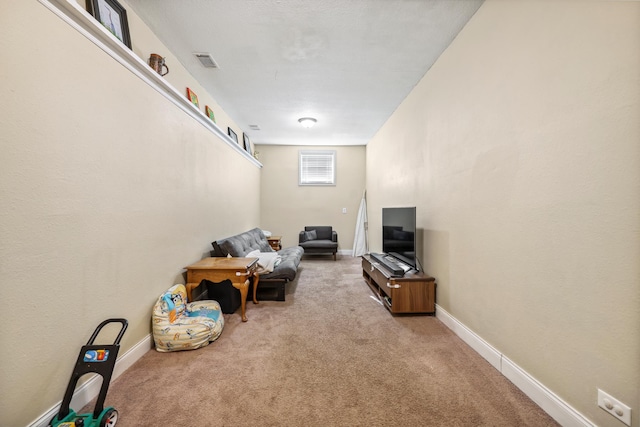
331	172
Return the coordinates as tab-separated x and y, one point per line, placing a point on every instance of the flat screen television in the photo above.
399	234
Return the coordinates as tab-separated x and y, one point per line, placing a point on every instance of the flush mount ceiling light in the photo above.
307	122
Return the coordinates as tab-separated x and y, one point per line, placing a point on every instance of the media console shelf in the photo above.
412	293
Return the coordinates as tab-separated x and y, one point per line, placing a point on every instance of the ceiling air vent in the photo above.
206	60
254	127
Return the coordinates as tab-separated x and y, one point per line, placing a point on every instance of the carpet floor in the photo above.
330	355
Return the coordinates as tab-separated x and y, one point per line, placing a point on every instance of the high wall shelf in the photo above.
73	14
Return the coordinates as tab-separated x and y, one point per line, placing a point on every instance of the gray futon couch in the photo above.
241	244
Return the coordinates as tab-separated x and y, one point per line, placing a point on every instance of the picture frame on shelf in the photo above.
247	143
113	17
193	97
232	134
209	113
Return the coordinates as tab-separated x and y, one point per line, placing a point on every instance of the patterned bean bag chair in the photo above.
181	325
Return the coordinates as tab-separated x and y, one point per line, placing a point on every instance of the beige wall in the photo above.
520	148
107	190
144	42
287	207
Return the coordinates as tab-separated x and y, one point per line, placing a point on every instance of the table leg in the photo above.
189	287
243	287
255	287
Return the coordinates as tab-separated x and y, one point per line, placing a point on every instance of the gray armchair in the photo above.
319	240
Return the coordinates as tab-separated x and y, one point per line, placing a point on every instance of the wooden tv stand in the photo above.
412	293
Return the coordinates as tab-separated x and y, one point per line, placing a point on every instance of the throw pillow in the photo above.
310	235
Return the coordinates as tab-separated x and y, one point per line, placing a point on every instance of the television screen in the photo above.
399	234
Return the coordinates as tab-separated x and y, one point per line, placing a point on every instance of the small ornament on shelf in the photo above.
193	97
210	114
157	62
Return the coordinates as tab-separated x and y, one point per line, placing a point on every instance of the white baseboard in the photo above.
90	389
557	408
474	341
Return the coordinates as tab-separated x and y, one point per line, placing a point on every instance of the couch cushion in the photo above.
288	265
241	244
323	231
319	244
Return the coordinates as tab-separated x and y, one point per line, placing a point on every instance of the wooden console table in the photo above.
238	270
412	293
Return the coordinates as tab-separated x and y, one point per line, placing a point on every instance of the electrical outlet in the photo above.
344	210
614	407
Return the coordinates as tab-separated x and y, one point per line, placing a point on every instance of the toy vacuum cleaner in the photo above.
99	359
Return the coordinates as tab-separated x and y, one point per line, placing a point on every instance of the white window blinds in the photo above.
317	167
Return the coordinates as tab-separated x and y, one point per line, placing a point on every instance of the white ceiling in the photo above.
348	63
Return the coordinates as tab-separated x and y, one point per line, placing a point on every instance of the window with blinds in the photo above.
317	167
